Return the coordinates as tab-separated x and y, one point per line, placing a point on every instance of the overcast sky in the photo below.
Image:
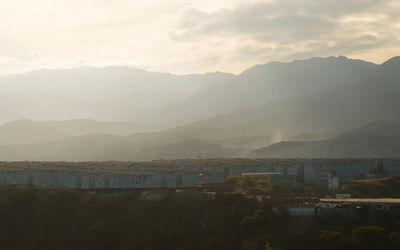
181	36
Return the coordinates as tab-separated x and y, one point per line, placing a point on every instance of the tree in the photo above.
17	211
332	240
249	184
394	239
63	201
369	237
231	181
267	246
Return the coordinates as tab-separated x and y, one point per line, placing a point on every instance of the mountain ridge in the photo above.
372	140
266	83
326	98
111	93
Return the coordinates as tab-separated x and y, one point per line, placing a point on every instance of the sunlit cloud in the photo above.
181	36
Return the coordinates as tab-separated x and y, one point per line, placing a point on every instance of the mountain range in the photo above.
375	140
321	107
107	94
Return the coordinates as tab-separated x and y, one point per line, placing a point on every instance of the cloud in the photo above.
285	30
186	36
258	20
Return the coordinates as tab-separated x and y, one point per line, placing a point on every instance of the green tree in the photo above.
332	240
268	246
17	211
231	182
394	239
59	216
369	237
249	184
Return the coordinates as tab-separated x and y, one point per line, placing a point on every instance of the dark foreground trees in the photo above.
70	220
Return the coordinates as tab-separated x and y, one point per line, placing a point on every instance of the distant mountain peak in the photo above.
329	58
392	61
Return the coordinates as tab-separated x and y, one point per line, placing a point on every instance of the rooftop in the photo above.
372	201
266	173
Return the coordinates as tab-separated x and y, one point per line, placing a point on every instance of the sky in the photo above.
183	36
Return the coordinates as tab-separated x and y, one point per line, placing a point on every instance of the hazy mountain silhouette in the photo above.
377	139
112	93
146	146
26	132
265	84
87	126
314	100
364	98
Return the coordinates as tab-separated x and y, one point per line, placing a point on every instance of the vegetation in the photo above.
378	187
297	190
67	219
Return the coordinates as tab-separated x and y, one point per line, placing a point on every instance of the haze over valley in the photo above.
305	108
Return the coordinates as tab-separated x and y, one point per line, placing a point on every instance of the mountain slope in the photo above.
112	93
323	102
264	84
372	140
326	113
26	132
87	126
146	147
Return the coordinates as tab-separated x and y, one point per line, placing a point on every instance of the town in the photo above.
310	201
190	173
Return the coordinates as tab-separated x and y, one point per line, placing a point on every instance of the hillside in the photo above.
373	97
267	84
376	142
108	94
112	147
372	140
304	107
87	126
26	132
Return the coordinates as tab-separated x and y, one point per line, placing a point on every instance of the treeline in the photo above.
377	187
70	220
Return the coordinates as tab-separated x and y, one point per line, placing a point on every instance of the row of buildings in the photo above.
98	178
185	173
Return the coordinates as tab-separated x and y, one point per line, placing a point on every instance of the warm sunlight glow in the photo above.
182	36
